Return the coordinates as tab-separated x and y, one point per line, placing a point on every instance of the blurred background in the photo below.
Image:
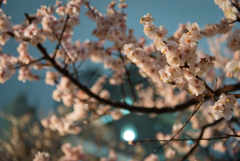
22	105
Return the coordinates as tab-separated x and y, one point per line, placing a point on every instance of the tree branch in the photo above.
60	38
32	62
132	108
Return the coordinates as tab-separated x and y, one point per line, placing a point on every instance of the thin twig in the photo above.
212	152
216	85
128	76
232	22
233	130
142	81
199	138
123	92
29	18
197	107
208	88
90	76
235	148
236	121
190	139
89	120
75	71
32	62
60	38
79	65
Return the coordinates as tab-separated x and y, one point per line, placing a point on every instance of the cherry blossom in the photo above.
223	107
42	156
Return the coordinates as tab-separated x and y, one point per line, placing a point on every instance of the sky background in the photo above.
168	13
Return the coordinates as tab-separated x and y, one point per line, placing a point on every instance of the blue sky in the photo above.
168	13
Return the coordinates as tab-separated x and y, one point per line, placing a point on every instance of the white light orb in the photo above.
128	135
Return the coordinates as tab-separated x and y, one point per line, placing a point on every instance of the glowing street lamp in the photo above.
128	135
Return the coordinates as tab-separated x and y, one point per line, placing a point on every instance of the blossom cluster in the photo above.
223	107
152	157
62	125
223	28
180	67
26	74
215	48
72	8
74	52
65	91
111	27
51	78
70	94
167	96
114	64
72	153
147	65
5	23
81	102
112	156
229	10
7	64
212	29
25	58
234	41
77	153
5	26
45	24
42	156
51	26
31	33
233	68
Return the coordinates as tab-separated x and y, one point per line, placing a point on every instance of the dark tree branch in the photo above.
29	19
128	76
114	104
236	5
131	108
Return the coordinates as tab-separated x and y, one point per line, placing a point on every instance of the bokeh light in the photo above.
128	135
